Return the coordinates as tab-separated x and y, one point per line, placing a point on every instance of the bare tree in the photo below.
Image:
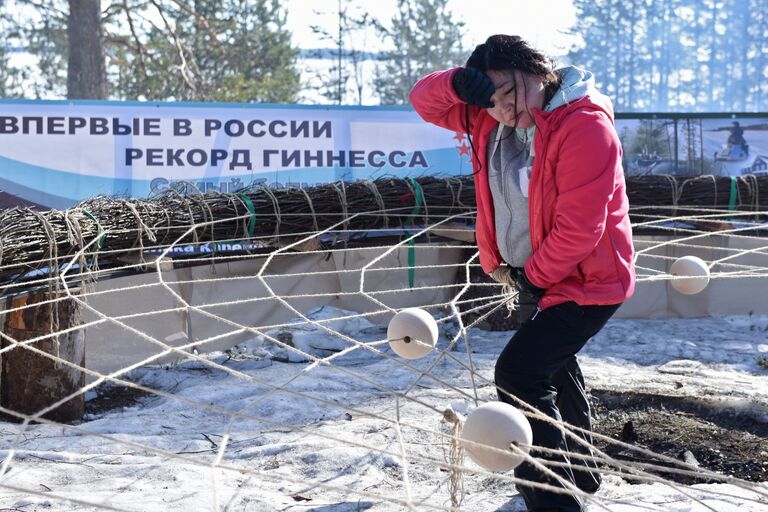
349	55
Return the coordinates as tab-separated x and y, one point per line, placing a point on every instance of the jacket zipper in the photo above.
504	176
501	173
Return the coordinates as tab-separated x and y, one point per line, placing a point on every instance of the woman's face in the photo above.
517	93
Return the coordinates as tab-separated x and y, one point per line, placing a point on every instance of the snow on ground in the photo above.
325	438
715	360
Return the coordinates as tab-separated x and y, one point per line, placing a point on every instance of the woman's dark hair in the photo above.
507	53
512	53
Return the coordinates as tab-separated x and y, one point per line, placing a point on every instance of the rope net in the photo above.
258	367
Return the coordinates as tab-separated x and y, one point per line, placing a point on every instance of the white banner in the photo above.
54	154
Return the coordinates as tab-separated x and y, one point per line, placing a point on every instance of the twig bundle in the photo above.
31	240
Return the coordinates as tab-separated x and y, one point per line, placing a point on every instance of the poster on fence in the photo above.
54	153
695	145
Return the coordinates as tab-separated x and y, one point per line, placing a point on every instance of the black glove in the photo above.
524	284
515	277
474	87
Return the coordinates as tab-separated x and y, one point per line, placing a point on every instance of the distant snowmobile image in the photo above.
736	148
732	152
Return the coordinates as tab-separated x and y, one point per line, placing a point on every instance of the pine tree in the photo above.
232	50
44	35
676	55
593	27
206	50
425	36
4	75
11	78
86	76
759	28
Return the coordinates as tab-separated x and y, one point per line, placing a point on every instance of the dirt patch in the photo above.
110	397
720	440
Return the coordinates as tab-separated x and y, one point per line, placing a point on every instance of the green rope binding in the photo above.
419	193
252	210
102	235
734	193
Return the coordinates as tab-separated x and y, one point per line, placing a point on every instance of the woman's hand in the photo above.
474	87
515	277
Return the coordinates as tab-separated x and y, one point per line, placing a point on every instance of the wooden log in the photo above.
30	382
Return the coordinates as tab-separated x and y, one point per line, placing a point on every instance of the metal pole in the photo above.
677	157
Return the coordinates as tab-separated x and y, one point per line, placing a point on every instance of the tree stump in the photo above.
31	382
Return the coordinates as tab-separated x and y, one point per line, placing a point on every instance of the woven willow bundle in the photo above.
32	240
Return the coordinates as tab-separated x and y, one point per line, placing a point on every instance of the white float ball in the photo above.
495	426
412	333
692	274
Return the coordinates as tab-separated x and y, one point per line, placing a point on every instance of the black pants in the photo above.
539	367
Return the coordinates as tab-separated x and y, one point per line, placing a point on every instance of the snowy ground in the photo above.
327	438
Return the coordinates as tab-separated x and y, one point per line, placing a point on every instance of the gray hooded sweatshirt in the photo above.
510	159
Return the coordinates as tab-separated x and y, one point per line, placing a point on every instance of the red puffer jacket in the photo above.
581	237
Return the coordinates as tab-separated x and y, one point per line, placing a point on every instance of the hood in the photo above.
577	84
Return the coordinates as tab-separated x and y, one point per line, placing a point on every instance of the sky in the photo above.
542	22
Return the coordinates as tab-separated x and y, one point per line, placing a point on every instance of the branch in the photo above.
184	68
45	7
105	12
140	47
202	19
118	41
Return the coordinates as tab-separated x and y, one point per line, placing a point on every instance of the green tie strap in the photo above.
734	193
102	235
252	210
419	196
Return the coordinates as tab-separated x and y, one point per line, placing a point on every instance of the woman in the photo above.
551	220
